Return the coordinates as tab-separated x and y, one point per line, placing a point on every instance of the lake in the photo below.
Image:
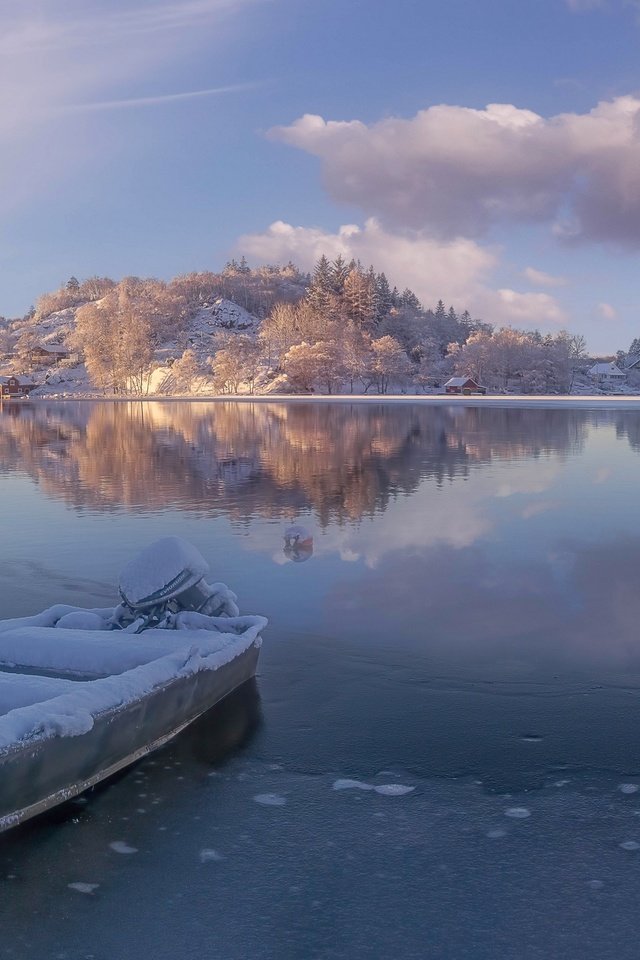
465	624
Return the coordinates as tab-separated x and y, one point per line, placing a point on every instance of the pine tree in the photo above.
360	297
339	273
467	322
321	286
409	299
384	296
372	304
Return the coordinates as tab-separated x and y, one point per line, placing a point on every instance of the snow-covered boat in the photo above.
84	693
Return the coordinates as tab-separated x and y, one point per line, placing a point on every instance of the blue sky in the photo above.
157	137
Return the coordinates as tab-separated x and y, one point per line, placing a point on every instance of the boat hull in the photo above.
39	775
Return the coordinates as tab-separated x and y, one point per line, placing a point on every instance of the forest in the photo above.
341	329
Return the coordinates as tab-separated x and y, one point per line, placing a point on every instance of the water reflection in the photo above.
271	459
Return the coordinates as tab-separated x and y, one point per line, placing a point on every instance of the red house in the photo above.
15	386
466	385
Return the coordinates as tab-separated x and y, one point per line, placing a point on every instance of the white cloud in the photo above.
607	312
541	279
458	271
455	171
431	268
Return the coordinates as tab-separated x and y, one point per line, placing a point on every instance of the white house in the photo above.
607	373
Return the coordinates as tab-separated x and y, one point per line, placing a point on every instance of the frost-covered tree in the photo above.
236	361
26	346
389	363
321	286
187	371
310	364
116	336
339	273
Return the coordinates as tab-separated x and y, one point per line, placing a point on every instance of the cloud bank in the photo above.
455	171
458	270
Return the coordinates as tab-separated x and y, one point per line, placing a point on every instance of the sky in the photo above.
486	152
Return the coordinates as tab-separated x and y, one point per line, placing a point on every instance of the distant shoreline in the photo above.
517	400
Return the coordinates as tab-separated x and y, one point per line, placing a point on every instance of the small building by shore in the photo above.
15	386
607	373
464	385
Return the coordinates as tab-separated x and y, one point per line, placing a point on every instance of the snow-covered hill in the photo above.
70	379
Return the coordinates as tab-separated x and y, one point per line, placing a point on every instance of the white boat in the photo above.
86	692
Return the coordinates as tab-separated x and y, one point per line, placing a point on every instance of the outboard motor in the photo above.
165	578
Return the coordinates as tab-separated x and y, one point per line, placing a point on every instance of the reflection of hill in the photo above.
273	459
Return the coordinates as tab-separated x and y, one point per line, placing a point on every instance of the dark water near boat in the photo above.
467	624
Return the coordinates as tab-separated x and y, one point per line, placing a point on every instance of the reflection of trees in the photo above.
343	460
628	425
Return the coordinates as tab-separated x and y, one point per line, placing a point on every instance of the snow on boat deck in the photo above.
129	668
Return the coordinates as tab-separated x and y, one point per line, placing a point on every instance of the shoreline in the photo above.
543	401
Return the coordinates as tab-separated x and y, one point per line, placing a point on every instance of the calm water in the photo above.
468	624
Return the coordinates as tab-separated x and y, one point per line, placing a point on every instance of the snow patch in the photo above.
83	887
351	785
119	846
384	789
630	845
628	788
270	799
210	856
518	813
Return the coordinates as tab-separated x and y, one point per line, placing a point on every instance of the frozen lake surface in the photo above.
441	754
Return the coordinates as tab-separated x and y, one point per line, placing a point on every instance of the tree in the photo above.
389	362
409	299
26	345
339	273
278	331
307	364
116	336
186	370
321	286
236	361
355	348
360	297
384	296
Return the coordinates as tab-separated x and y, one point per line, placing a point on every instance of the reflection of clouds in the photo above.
455	516
537	478
450	605
539	506
602	475
575	608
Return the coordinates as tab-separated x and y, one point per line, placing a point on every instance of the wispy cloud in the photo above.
133	102
607	311
73	58
541	279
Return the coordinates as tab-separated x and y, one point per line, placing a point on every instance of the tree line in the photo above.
343	327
